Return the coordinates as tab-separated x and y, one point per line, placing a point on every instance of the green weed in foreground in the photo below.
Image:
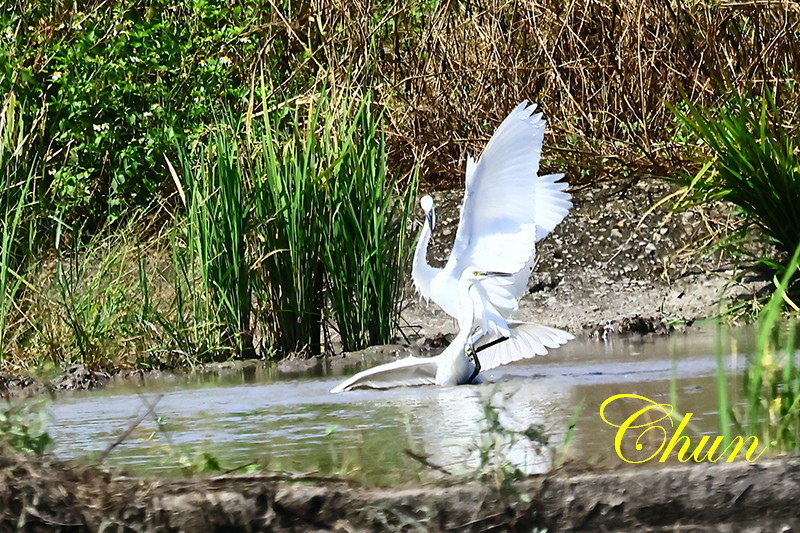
771	379
23	428
756	166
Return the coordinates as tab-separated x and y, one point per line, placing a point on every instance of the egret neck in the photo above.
421	271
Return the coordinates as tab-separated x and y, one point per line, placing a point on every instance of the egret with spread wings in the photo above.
507	208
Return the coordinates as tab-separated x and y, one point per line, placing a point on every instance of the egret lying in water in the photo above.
453	366
507	208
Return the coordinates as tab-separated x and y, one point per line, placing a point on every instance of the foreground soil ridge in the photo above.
44	494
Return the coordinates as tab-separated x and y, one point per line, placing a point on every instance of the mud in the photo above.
40	494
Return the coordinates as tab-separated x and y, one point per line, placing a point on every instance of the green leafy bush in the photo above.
119	81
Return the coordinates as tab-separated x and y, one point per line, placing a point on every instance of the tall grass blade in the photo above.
760	373
19	170
366	253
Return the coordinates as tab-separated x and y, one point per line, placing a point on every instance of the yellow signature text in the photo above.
649	424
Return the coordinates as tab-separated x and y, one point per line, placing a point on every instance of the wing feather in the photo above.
528	340
411	371
507	208
497	230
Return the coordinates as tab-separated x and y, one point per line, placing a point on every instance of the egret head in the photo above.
426	202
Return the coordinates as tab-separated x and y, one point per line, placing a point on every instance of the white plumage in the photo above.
507	208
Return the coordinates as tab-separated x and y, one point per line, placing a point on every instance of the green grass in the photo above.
332	223
772	379
215	225
287	157
366	255
755	166
287	220
771	383
20	166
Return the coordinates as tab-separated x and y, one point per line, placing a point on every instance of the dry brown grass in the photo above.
602	70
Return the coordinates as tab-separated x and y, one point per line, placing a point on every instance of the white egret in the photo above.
507	208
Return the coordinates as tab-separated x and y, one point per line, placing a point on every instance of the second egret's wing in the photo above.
507	205
527	340
409	372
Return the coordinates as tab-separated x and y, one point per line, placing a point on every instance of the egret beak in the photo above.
431	218
494	273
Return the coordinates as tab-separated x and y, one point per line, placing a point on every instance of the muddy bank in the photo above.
41	494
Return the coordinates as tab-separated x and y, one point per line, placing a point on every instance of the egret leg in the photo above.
490	344
470	351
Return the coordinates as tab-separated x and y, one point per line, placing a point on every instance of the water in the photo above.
297	426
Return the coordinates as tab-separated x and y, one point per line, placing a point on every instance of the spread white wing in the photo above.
528	340
411	371
507	208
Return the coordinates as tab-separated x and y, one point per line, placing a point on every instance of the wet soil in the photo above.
40	494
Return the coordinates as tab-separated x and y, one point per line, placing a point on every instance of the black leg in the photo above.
470	349
490	344
472	352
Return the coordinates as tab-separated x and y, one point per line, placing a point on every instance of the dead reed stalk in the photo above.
601	70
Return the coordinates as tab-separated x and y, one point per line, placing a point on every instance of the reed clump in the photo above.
753	143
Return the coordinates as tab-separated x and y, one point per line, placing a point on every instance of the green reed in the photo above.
20	167
332	228
286	159
215	225
366	253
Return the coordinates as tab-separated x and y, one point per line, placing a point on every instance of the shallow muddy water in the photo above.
297	426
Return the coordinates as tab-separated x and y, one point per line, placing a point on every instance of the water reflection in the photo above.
298	426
